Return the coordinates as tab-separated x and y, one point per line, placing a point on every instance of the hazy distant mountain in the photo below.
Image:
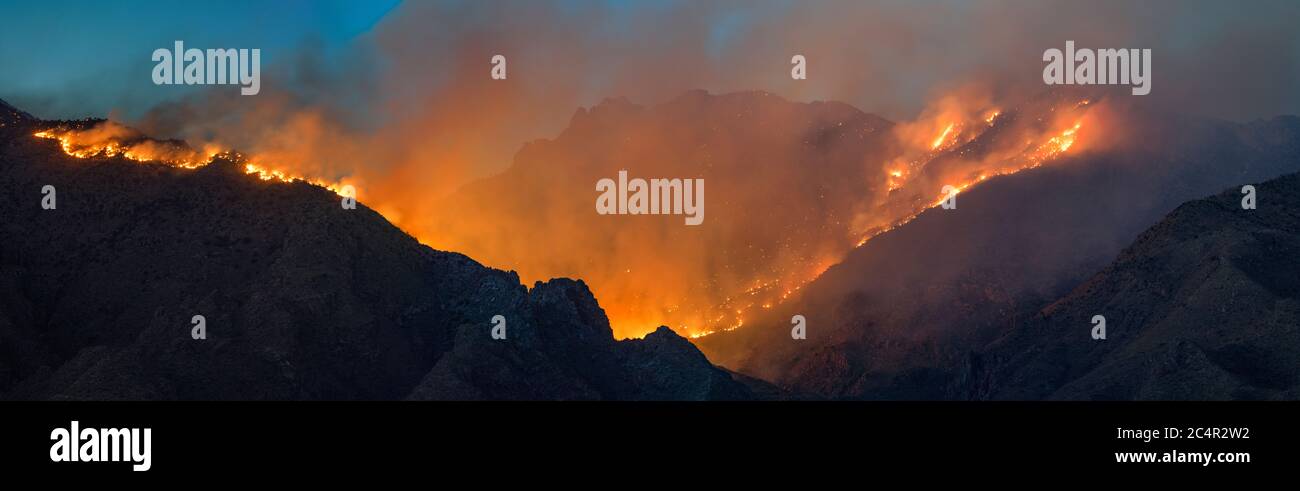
783	181
302	299
902	315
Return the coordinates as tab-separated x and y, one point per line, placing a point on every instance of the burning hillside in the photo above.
797	187
974	144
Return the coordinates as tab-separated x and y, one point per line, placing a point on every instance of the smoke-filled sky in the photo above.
398	98
71	59
338	66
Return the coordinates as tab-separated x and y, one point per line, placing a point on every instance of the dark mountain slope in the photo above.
1204	305
10	115
302	299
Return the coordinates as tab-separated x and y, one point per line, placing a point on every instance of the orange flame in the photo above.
942	137
110	139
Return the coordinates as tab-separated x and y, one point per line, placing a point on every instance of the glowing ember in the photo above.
942	137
